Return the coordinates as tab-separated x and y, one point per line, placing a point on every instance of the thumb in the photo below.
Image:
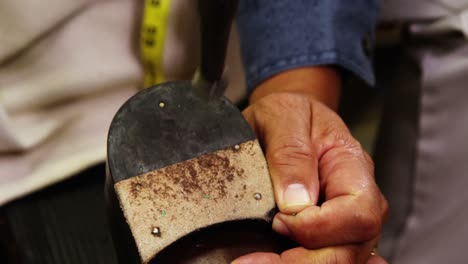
285	127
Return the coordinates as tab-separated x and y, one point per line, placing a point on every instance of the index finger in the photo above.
357	253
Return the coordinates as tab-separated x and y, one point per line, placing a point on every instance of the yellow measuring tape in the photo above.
152	36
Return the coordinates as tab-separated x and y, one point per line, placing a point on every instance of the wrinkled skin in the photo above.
306	142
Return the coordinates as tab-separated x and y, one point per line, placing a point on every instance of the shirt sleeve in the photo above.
282	34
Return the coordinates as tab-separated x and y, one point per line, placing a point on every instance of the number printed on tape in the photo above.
152	36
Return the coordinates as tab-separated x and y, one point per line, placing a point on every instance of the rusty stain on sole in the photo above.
199	192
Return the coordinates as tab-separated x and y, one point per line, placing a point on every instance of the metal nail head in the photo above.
156	231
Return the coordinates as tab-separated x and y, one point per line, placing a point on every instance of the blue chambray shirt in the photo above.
276	35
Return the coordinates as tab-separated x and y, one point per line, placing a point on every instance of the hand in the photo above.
323	181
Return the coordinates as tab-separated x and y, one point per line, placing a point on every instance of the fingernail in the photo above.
296	195
280	227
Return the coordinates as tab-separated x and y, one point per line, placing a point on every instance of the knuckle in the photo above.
356	150
368	160
289	152
369	224
370	215
343	138
336	137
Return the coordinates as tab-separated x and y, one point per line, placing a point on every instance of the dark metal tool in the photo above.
185	169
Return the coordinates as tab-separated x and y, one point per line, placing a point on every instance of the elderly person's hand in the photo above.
324	181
